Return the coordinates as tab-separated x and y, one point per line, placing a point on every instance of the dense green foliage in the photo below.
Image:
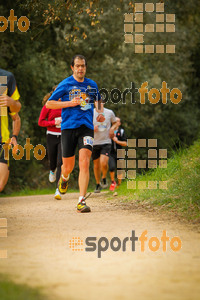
59	29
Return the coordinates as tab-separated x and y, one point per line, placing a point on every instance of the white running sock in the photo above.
80	198
66	179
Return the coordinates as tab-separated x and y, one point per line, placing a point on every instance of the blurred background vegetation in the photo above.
40	58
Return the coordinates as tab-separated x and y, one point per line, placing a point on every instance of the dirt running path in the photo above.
39	230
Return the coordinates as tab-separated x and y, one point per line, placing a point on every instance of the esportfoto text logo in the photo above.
116	244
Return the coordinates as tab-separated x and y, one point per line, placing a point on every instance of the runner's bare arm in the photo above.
53	104
114	126
112	129
16	127
121	143
14	105
99	109
98	106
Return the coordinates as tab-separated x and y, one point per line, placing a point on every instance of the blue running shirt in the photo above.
74	117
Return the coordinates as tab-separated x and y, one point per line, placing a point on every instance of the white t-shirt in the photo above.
102	135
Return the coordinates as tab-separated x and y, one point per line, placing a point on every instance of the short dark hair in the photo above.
78	56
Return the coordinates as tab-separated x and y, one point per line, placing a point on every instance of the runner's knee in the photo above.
104	164
84	163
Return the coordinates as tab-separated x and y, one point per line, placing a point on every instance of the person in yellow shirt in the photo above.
9	105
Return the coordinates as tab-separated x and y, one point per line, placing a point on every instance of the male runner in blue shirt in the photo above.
77	95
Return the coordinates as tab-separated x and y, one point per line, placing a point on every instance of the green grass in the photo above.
183	192
13	291
30	192
182	195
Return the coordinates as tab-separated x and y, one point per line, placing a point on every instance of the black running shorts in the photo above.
101	149
112	163
70	138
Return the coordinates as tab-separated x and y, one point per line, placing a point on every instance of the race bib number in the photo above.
88	140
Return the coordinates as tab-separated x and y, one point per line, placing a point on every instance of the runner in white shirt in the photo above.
103	132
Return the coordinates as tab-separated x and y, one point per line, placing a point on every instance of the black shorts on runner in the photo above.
112	163
2	155
101	149
70	138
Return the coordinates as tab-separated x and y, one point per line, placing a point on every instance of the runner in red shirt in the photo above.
51	118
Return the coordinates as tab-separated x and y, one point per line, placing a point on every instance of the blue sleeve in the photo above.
59	92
